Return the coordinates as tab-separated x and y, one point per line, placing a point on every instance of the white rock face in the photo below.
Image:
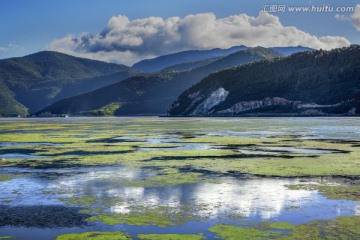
206	106
251	105
196	97
214	99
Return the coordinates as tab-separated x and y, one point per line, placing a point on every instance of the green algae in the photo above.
234	216
88	143
92	204
229	232
338	228
94	236
6	177
135	214
338	192
161	216
124	236
91	143
168	177
281	225
291	208
81	201
170	236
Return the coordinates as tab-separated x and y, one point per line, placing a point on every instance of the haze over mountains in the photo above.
152	94
56	83
162	62
191	57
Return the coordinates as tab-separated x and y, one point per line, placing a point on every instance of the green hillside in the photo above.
111	99
316	82
151	93
37	80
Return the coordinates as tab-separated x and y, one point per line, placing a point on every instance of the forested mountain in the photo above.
307	83
290	50
182	67
151	94
162	62
30	83
188	60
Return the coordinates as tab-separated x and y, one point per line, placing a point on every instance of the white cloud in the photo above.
355	18
9	47
127	41
344	18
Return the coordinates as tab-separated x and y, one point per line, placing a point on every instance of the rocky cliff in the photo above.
311	83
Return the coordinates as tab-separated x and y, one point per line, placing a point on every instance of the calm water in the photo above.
255	198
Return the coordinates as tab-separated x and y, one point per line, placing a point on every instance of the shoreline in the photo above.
198	116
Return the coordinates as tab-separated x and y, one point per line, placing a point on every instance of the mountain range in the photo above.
162	62
30	83
219	82
306	83
151	93
195	57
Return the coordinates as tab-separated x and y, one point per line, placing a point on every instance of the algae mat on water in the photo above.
237	146
94	236
166	158
123	236
339	228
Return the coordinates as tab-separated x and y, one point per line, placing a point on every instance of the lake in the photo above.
194	178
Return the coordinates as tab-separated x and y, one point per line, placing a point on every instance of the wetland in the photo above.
180	178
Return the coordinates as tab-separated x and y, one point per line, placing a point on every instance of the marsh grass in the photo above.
106	142
338	228
170	236
80	143
94	236
337	192
161	216
6	177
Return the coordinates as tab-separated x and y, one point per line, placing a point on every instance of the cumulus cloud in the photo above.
127	41
355	18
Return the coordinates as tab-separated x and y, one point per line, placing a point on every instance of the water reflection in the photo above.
255	198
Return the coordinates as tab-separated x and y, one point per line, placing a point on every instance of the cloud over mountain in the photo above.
355	18
127	41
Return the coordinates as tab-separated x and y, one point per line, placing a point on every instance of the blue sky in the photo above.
30	26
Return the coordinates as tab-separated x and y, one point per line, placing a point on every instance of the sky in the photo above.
125	31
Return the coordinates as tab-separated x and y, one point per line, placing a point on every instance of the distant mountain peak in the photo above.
165	61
